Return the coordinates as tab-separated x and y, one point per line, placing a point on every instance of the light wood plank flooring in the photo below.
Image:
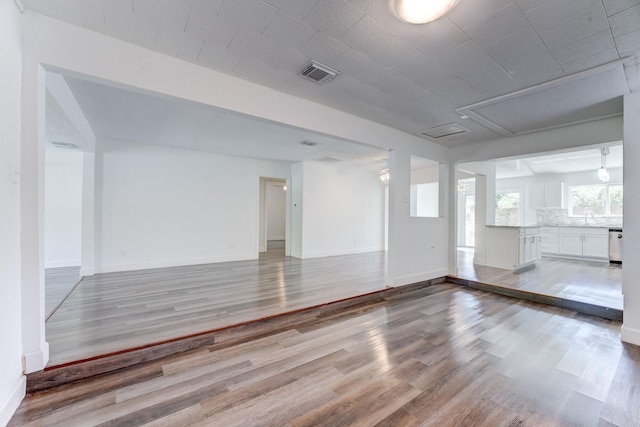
58	282
584	281
112	312
445	355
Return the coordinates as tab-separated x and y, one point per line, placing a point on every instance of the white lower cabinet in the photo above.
588	242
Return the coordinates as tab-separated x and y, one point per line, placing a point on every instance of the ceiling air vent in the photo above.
444	131
317	72
61	144
308	143
327	159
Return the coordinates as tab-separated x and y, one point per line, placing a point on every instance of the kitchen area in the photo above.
549	224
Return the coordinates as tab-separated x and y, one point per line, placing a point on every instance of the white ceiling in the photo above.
411	77
144	118
559	163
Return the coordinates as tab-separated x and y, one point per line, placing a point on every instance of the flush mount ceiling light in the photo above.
421	11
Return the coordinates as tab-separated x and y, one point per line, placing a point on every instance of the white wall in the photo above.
418	247
343	211
163	206
12	384
276	210
63	207
630	265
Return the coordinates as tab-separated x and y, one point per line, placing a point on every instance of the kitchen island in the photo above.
512	247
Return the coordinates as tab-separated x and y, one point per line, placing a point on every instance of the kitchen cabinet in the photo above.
549	240
547	195
529	250
583	242
512	248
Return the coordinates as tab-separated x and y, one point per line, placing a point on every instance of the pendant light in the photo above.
421	11
603	173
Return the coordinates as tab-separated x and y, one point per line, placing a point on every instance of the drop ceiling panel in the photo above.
393	51
217	57
507	21
527	5
295	8
591	61
129	26
416	66
576	30
584	48
558	104
615	6
333	17
439	37
253	15
287	31
625	22
249	44
467	13
515	45
177	43
205	24
352	62
469	63
629	44
552	14
323	48
171	13
285	58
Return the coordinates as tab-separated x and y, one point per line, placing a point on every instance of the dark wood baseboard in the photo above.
53	376
580	307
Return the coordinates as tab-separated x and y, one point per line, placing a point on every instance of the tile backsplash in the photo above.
561	217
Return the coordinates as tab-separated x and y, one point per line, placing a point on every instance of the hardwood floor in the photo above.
584	281
444	355
58	282
112	312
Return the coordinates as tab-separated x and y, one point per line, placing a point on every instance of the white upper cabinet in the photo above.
547	195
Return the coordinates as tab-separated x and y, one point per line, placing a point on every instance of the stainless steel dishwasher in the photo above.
615	245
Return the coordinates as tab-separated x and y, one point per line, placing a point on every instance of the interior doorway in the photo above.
273	228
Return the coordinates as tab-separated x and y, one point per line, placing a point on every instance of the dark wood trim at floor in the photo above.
578	306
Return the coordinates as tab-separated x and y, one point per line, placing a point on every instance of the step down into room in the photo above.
53	376
57	375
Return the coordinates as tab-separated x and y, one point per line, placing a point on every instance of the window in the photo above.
508	208
595	200
425	188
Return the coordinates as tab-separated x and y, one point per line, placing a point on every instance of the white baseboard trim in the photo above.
36	360
178	263
419	277
62	263
12	402
341	252
632	336
85	272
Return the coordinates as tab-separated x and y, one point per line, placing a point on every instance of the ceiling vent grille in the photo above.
327	159
317	72
61	144
444	131
309	143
